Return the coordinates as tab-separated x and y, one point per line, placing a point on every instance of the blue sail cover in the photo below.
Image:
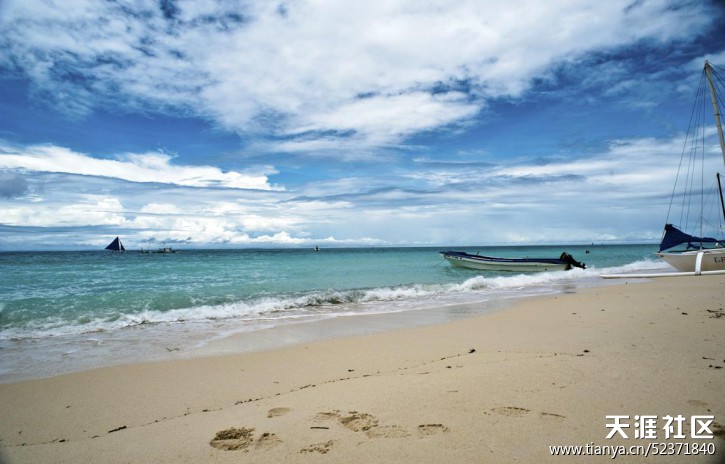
116	245
674	236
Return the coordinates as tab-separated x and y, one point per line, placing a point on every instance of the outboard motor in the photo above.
571	262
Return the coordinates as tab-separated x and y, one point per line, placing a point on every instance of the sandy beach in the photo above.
504	387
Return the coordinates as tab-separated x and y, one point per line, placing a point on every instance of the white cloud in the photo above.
160	208
89	210
389	117
256	66
620	193
211	221
150	167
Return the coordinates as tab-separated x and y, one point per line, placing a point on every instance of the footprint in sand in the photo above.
276	412
388	431
363	422
431	429
321	448
511	411
353	420
331	415
267	440
359	421
234	439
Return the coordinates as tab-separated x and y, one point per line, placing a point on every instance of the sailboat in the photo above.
116	245
693	252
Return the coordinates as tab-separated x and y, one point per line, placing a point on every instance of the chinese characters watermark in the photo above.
647	427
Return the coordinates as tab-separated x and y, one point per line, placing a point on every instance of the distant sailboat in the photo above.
116	245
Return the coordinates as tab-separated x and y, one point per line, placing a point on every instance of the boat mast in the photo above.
716	108
722	202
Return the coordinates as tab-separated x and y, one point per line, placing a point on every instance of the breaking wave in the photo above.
319	304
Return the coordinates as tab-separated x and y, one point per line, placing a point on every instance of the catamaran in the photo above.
693	252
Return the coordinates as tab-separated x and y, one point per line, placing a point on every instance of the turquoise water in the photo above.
92	307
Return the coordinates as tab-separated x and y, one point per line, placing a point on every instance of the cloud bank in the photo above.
592	198
148	167
315	70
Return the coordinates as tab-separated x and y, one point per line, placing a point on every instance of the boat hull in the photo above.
486	263
686	261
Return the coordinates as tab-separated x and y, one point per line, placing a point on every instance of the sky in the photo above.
340	123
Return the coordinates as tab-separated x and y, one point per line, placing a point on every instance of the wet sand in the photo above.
502	387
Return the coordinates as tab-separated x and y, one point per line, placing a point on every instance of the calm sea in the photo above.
67	311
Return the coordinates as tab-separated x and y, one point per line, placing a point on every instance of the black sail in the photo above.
116	245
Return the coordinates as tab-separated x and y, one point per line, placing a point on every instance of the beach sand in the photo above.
503	387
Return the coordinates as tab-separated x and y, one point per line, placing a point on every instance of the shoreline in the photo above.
546	370
38	358
227	342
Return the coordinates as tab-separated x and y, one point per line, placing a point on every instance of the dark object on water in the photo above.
116	245
569	259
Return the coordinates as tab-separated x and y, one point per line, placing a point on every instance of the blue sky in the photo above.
342	123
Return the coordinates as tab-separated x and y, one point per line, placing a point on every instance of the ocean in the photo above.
67	311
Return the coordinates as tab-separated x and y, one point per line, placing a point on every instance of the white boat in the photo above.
489	263
693	252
